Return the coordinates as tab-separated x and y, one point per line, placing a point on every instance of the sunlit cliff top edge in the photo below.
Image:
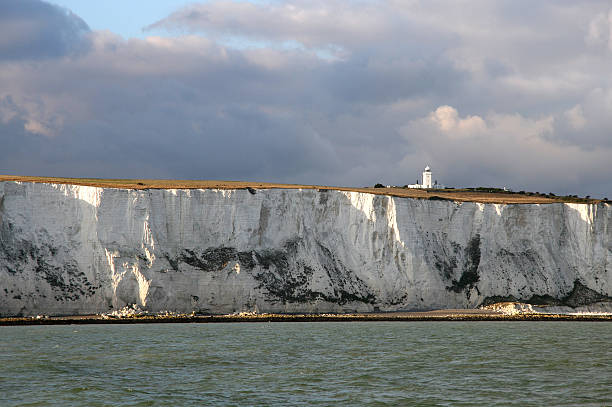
479	194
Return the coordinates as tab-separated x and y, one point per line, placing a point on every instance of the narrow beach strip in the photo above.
438	315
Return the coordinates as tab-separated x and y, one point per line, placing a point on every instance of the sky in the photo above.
126	18
512	93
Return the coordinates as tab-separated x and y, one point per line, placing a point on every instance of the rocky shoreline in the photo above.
437	315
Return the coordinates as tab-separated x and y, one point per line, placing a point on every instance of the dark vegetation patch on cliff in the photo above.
67	279
524	260
17	255
211	259
470	276
451	260
580	295
446	261
346	285
282	274
583	295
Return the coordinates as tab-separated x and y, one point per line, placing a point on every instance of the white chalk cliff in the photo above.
68	249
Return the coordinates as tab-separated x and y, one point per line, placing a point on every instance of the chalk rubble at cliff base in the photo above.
77	250
518	308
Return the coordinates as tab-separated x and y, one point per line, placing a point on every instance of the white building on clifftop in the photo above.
427	184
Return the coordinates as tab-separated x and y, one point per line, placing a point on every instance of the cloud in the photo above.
32	29
575	117
311	23
600	30
159	108
446	118
587	124
477	151
334	92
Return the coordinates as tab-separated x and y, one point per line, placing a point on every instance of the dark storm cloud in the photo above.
504	93
206	112
34	29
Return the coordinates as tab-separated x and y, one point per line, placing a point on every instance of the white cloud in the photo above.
575	117
600	30
448	120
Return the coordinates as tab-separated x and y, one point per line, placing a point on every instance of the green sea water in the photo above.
305	364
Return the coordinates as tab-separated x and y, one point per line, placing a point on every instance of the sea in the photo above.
308	364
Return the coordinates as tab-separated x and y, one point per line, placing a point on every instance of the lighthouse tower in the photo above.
427	178
426	181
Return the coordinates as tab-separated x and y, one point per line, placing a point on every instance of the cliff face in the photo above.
68	249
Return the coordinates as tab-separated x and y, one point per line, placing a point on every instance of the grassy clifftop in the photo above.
484	195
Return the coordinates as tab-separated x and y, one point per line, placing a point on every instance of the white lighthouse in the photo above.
427	178
426	183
